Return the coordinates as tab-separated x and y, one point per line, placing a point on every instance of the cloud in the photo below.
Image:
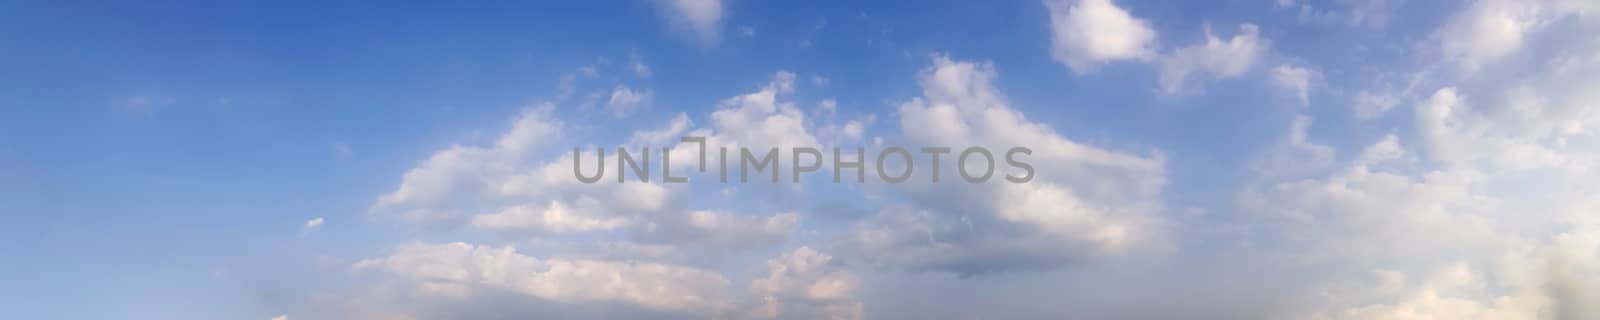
1476	205
800	284
511	188
449	184
665	136
553	218
640	69
1372	14
1088	33
1534	283
701	20
313	224
1220	59
1474	218
761	119
460	270
1296	80
831	130
806	284
281	317
721	231
1370	105
1090	202
519	187
1432	116
1297	155
1487	30
624	101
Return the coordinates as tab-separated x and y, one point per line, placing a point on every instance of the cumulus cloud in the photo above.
1487	30
1087	33
625	101
765	118
1296	155
1541	282
1216	58
460	269
800	284
1090	202
1369	105
640	69
721	231
806	284
1477	205
700	20
1476	217
553	218
510	186
521	187
310	225
1372	14
1295	80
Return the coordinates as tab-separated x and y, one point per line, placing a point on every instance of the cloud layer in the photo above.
1464	192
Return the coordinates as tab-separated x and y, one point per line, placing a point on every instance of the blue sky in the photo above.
1263	159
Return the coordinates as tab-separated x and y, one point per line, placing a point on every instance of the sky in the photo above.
1239	159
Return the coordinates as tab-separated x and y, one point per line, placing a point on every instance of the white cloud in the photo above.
700	19
806	284
553	218
1493	223
1372	14
721	231
828	108
519	188
313	224
1543	282
765	118
461	270
1487	30
665	136
1220	59
640	69
830	130
1478	207
510	188
448	185
1432	122
800	284
1088	33
1090	202
281	317
1297	155
1297	80
1370	105
624	101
